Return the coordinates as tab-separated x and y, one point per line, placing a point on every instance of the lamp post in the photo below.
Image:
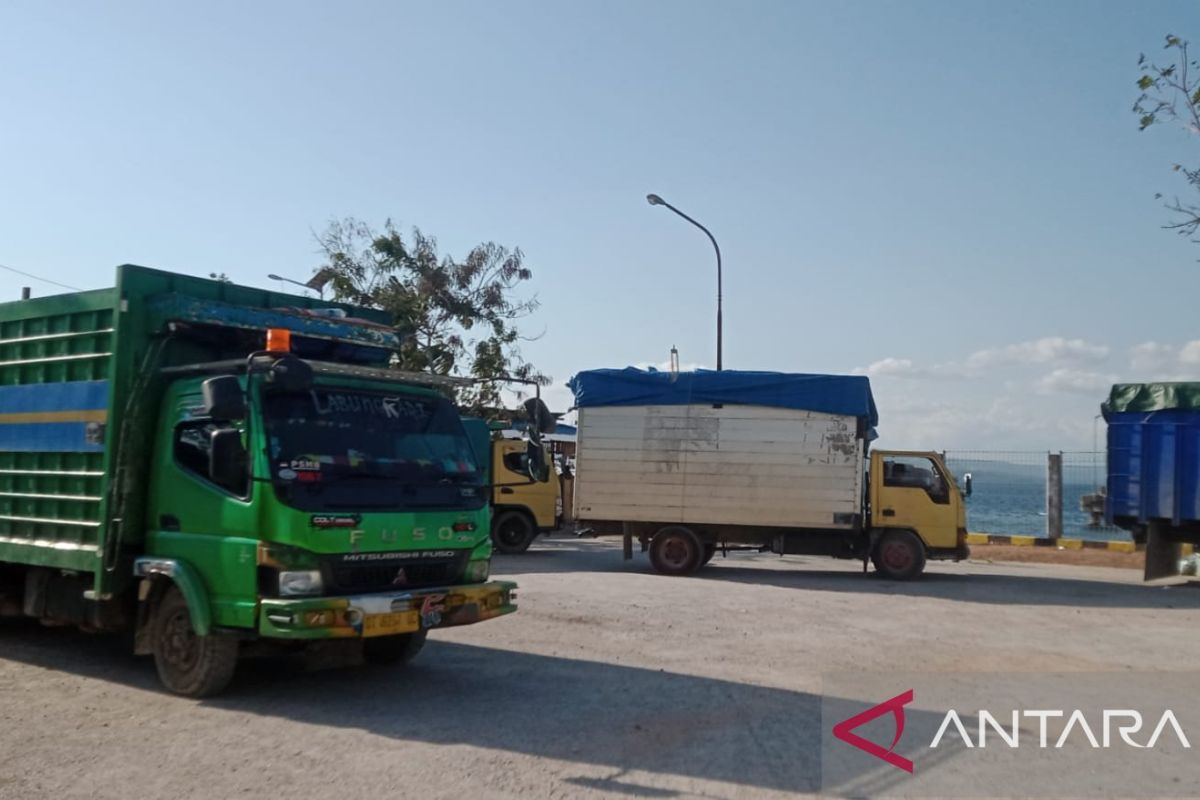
655	200
319	287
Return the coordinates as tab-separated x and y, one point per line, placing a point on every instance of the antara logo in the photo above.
1077	726
896	706
1077	730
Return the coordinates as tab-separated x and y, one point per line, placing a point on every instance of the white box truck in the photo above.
694	462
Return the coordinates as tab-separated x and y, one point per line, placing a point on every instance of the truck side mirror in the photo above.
540	419
224	398
535	460
227	462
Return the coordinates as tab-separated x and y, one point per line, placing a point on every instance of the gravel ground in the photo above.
1053	555
610	681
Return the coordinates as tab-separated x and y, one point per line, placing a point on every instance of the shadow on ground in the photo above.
625	718
1013	584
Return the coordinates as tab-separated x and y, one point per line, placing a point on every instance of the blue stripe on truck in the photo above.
39	397
52	437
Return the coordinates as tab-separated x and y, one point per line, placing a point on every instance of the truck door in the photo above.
539	499
912	491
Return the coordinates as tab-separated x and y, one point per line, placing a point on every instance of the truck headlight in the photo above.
478	571
300	582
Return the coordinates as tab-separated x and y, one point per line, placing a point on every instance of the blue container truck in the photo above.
1153	482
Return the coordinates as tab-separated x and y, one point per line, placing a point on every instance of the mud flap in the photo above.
1163	553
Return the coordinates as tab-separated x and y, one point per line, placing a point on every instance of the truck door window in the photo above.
191	453
916	472
516	461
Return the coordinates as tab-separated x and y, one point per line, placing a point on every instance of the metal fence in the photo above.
1012	492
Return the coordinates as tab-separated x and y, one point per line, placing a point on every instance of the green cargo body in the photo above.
55	365
78	405
212	466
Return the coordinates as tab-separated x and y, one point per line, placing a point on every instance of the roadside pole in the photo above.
1054	496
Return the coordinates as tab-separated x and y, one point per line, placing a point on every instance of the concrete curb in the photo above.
1039	541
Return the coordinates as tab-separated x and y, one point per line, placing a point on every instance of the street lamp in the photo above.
655	200
316	282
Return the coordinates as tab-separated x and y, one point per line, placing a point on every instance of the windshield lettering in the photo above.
333	449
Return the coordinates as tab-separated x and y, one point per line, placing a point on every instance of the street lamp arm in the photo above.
707	233
655	200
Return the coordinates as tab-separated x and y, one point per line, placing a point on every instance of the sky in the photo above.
950	197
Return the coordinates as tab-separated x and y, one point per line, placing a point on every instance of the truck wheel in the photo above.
710	550
388	650
675	551
899	555
191	665
512	532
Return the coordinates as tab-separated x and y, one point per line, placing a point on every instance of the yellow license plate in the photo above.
390	624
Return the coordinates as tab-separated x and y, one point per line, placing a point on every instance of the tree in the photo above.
455	317
1171	94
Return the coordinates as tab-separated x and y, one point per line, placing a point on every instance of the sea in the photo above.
1009	497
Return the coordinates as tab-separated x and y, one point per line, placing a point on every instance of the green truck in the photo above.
221	470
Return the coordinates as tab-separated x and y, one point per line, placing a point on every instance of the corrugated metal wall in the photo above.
737	465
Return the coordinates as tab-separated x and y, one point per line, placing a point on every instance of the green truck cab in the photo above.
218	468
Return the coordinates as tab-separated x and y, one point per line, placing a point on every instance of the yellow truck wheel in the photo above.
899	555
513	532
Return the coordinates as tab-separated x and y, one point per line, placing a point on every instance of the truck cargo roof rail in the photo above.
327	368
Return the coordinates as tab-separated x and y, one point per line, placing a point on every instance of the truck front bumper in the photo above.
384	614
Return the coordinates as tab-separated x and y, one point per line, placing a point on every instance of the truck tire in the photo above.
899	555
390	650
513	532
675	550
188	664
710	550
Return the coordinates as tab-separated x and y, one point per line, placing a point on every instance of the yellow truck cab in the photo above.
521	509
916	512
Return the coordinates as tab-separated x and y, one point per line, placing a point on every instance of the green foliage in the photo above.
1170	93
457	317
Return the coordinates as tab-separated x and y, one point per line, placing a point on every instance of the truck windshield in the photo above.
342	449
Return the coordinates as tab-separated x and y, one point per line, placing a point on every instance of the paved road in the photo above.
610	681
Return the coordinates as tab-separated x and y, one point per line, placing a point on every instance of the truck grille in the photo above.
392	574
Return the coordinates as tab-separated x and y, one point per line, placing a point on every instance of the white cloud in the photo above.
1075	381
1047	350
892	367
1189	354
1052	350
1152	356
1165	362
887	366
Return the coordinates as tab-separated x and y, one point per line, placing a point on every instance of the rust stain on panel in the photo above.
666	438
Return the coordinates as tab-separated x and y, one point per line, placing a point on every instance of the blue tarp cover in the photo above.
848	395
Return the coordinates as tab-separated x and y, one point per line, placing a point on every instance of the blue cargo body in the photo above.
1153	485
1153	467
